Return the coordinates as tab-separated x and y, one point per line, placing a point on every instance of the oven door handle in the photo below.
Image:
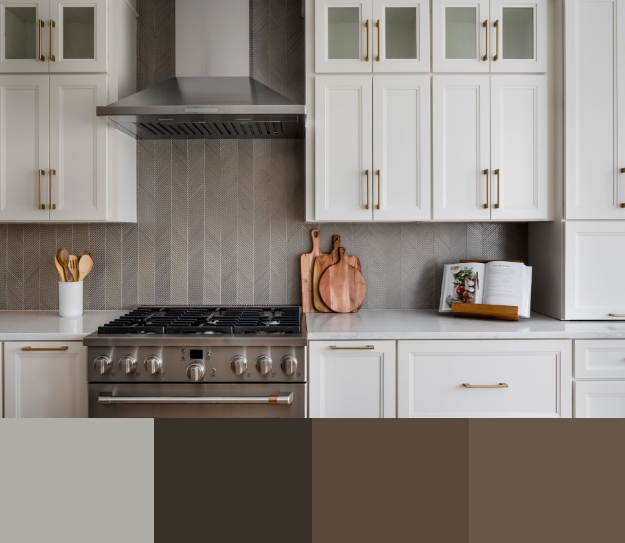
278	399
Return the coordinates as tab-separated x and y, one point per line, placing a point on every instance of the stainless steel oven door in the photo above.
266	400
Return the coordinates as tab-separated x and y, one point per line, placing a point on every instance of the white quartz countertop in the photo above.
48	326
429	324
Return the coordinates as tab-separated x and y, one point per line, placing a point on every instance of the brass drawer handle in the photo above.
496	57
367	25
31	349
52	174
41	25
498	385
616	315
52	25
485	25
622	171
496	206
379	42
363	348
487	204
41	204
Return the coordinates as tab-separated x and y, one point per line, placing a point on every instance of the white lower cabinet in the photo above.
489	378
600	399
352	379
45	380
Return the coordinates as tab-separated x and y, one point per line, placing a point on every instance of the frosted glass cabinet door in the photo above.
24	133
344	32
402	36
518	32
78	36
24	46
459	35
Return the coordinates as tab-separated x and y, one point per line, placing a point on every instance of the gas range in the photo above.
199	362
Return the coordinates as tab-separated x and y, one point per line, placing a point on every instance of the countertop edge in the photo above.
401	336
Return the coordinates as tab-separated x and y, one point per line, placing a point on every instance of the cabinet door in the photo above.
488	378
24	133
24	29
401	148
352	379
402	36
343	36
78	36
343	148
461	157
459	34
594	189
519	180
78	147
518	31
48	381
594	270
600	399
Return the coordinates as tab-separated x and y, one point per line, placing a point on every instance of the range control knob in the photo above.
289	364
239	364
264	364
152	365
102	364
195	372
127	364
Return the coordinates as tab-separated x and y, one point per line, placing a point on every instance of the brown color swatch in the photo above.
390	481
547	481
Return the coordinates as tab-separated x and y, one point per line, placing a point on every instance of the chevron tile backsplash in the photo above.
221	222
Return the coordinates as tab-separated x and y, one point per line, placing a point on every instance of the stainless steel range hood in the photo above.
207	107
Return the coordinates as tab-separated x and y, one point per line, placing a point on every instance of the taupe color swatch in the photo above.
222	222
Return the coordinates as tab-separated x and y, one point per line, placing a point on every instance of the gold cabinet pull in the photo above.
487	204
622	171
367	25
52	25
31	349
41	174
616	315
496	57
361	348
41	25
368	173
379	189
379	42
498	385
485	25
52	174
496	206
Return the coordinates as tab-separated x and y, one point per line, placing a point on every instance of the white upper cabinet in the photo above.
401	148
78	36
53	36
595	109
372	35
77	148
459	36
24	144
461	147
483	36
519	178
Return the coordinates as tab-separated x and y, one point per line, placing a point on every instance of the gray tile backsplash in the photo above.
222	222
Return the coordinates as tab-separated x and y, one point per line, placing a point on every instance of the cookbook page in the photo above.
505	284
462	283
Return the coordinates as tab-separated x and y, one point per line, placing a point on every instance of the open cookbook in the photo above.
497	283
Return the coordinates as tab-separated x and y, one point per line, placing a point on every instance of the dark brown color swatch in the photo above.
390	481
547	481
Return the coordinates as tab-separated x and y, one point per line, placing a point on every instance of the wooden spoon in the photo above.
83	253
62	255
59	270
84	266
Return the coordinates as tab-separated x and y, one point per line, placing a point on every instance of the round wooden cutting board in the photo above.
342	287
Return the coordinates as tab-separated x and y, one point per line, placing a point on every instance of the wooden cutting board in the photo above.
342	287
307	261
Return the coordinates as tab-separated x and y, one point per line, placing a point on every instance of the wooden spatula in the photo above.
73	267
84	267
307	261
342	287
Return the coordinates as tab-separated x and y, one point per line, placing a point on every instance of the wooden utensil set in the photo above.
72	268
331	282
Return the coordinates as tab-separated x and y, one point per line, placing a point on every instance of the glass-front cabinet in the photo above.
53	36
372	36
495	36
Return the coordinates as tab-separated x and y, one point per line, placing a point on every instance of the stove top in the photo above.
208	321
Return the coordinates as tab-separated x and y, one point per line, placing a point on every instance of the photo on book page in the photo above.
462	283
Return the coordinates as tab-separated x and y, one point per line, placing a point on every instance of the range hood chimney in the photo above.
213	95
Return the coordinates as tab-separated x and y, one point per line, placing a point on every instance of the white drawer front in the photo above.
600	359
600	399
432	375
